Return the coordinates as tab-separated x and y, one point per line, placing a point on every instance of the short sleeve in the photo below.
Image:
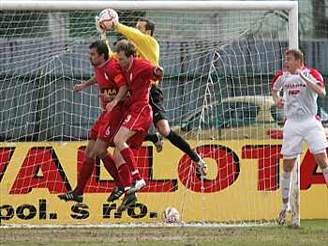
115	74
119	80
148	71
317	76
277	81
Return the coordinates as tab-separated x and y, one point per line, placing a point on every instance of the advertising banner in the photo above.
242	184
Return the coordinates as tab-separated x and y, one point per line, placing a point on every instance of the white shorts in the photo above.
295	131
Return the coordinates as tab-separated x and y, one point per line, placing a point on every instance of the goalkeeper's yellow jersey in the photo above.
146	45
110	52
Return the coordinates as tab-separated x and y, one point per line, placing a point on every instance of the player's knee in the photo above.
163	128
88	150
288	164
102	153
321	159
322	162
96	152
118	141
323	165
288	168
91	154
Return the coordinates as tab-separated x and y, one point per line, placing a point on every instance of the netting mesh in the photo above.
44	54
218	65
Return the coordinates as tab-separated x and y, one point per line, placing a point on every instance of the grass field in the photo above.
312	232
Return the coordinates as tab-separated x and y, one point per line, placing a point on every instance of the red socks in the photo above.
128	156
84	175
125	175
110	166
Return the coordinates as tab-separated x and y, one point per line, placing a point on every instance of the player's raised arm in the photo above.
130	33
101	31
108	18
103	36
313	80
85	84
142	37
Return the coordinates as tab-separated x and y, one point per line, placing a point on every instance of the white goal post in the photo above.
56	6
290	6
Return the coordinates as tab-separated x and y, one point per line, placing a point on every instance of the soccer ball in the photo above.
107	18
171	215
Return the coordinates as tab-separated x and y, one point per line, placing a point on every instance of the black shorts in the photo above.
156	102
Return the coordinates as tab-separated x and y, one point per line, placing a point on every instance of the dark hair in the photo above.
296	53
119	39
127	47
101	48
149	25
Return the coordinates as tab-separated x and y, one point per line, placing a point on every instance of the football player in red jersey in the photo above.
112	88
142	35
138	118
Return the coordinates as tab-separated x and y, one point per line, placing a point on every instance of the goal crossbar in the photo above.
151	5
290	6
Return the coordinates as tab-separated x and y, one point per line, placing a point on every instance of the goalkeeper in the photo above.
148	48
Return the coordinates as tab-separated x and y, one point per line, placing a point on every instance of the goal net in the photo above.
218	65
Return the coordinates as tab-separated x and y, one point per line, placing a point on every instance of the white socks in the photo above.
325	174
285	186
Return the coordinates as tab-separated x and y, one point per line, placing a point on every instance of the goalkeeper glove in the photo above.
101	31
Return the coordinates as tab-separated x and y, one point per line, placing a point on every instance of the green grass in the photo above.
312	232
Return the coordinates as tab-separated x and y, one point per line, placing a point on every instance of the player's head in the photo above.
98	53
145	26
125	52
294	59
119	39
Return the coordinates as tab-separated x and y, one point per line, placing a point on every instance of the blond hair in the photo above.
297	54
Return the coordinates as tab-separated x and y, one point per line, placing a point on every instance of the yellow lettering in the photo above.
110	92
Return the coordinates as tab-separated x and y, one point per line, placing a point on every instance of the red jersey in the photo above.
109	79
139	78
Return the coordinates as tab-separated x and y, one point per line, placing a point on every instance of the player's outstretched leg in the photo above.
178	141
163	127
201	168
157	140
